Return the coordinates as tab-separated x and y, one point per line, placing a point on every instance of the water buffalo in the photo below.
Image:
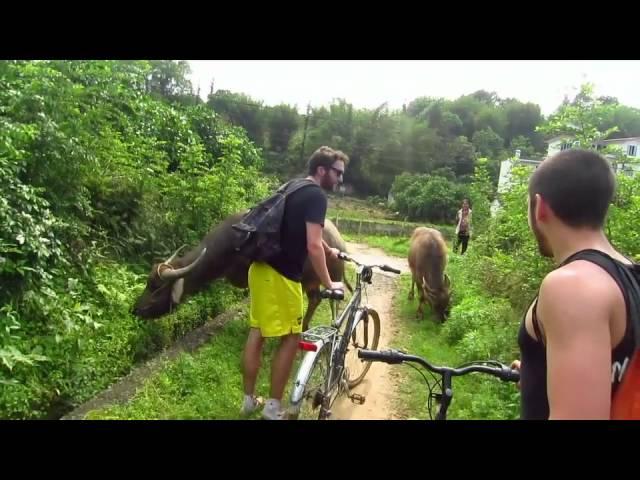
171	281
427	260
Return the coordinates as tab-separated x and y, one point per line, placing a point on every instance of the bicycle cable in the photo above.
429	387
494	363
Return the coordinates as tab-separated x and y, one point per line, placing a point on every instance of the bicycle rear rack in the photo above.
320	332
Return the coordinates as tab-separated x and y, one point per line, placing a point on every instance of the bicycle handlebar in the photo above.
385	268
501	371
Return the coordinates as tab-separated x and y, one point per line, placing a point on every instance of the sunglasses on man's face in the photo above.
339	172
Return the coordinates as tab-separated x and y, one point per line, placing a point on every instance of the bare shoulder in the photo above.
580	279
577	292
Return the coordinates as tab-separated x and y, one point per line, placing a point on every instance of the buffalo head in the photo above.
440	299
165	286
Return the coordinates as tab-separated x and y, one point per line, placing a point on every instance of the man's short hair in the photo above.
325	157
577	184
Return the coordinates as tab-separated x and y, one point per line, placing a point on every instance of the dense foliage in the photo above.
110	165
106	166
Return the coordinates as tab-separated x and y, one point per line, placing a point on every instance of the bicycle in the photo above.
444	397
323	375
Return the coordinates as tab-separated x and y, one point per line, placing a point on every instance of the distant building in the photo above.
630	146
505	175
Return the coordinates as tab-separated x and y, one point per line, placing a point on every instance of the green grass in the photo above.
206	384
355	208
397	246
343	214
349	208
475	396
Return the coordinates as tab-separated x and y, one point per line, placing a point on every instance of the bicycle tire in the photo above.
373	320
311	406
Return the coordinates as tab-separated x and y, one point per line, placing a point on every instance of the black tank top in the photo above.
533	356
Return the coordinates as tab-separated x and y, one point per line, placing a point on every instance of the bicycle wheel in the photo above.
365	335
310	406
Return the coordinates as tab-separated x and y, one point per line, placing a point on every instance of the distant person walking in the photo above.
463	227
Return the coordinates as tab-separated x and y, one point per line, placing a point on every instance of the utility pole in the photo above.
304	134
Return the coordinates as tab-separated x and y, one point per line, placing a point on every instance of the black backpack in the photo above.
257	235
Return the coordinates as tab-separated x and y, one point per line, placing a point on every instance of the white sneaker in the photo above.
268	414
273	410
250	405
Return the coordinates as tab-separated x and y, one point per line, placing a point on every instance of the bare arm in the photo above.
330	251
575	314
316	249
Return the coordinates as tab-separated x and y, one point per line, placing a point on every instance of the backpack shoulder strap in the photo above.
294	185
618	271
282	188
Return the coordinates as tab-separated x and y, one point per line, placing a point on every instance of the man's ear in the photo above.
542	209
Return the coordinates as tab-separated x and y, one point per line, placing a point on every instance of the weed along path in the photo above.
378	387
124	390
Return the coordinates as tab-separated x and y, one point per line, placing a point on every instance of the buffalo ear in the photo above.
177	290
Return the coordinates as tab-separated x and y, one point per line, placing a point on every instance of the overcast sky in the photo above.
369	83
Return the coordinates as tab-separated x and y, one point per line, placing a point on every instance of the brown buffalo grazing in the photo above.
427	260
171	281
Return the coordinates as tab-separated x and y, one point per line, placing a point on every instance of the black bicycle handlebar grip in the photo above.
510	374
343	256
387	356
387	268
337	294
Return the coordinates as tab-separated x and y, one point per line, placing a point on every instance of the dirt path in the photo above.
379	384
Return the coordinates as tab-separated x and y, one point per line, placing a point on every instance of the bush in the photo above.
100	177
423	197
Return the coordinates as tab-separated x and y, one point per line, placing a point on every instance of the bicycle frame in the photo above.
318	338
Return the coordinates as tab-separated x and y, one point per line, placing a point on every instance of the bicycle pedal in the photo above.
356	398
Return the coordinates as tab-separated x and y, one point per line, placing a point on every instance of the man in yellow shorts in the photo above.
276	308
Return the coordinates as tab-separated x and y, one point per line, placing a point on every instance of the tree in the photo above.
490	98
467	108
586	119
460	156
523	144
282	123
427	197
417	107
481	192
521	119
241	110
627	119
450	124
168	79
583	118
488	143
492	118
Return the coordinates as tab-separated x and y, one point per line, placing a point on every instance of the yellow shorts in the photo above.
276	302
